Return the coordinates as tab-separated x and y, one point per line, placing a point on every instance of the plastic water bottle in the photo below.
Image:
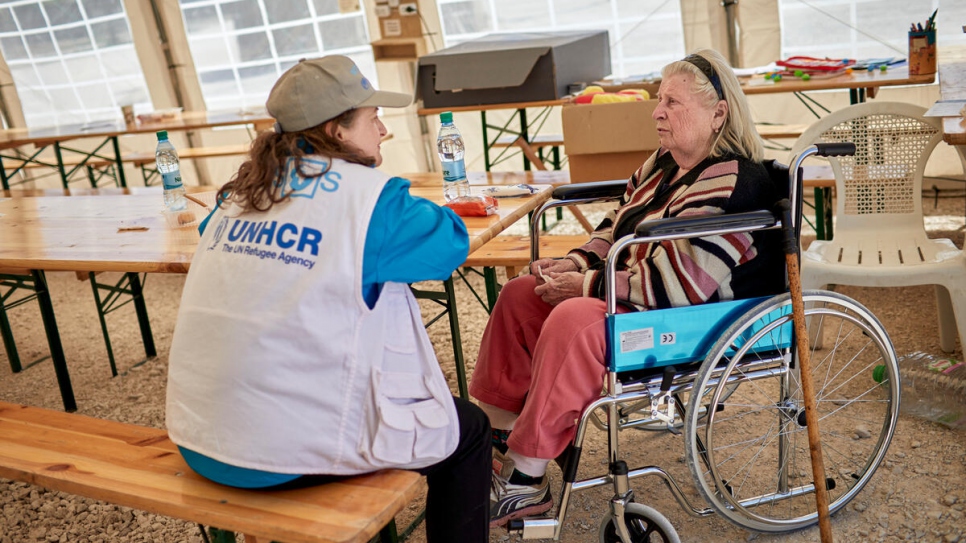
170	170
933	388
449	143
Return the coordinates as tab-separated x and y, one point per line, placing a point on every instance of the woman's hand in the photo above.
543	267
558	287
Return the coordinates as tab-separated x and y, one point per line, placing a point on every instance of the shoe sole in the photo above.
520	513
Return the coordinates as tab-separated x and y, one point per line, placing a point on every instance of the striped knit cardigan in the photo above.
688	272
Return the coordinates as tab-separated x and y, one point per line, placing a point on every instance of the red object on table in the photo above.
813	65
474	206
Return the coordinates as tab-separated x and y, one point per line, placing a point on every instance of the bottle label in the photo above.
454	171
171	180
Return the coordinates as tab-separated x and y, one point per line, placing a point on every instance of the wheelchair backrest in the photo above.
680	335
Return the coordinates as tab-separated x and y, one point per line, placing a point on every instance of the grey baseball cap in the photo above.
314	91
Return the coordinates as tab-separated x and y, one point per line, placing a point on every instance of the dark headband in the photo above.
702	64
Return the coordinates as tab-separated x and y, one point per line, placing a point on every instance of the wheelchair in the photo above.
725	375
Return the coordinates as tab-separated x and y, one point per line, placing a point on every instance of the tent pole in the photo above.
729	6
174	76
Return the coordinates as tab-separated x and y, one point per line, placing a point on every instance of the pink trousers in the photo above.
541	361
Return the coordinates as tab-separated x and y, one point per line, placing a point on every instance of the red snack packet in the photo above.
474	206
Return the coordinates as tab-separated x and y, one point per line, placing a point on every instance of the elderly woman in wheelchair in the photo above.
568	329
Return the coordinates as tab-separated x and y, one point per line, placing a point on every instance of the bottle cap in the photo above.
446	117
162	135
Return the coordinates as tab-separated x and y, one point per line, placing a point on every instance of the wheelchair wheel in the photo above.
644	524
750	455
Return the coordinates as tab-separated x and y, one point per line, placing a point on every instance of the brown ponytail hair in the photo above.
254	187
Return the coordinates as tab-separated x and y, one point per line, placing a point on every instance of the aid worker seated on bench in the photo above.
541	359
299	351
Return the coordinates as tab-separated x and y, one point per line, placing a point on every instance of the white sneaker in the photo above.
510	501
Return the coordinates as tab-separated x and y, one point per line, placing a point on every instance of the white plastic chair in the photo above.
879	238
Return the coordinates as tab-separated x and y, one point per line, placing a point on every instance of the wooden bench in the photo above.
512	253
138	467
96	167
540	140
533	149
780	131
143	158
146	162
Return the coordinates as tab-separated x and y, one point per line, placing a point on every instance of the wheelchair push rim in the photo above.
749	456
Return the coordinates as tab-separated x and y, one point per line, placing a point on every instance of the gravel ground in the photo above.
918	494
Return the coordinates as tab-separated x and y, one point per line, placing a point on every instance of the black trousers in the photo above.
458	504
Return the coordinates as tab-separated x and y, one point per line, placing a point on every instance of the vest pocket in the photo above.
410	423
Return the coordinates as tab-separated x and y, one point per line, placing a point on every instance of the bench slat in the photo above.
141	158
515	250
10	164
540	140
139	467
781	131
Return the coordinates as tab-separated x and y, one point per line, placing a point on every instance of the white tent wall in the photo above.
703	21
9	101
162	48
174	82
759	32
407	150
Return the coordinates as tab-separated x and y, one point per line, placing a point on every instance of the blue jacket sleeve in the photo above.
411	239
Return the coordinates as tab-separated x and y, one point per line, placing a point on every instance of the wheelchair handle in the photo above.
597	189
846	148
789	240
795	172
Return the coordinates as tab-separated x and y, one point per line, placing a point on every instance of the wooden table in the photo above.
861	84
108	132
532	177
952	86
128	233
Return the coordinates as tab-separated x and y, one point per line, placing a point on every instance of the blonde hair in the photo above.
738	134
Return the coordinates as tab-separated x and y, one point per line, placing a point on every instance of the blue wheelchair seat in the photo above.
681	335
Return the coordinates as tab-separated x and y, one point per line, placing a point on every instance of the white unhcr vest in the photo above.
277	363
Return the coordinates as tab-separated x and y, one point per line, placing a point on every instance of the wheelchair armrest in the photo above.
690	226
598	189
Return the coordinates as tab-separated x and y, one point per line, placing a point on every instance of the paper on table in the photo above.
755	70
947	108
509	191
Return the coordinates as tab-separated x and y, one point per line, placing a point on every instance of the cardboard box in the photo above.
611	86
512	68
608	141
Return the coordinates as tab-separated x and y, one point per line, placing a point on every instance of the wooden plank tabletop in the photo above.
952	86
483	229
857	79
129	233
189	120
538	177
140	467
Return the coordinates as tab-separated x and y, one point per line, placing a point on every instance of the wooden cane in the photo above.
790	245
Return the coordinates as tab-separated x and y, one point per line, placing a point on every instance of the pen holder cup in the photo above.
922	52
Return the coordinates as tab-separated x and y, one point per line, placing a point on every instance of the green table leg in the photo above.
53	341
823	213
492	287
128	289
447	299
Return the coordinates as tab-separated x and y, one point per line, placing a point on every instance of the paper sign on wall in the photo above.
391	28
348	6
